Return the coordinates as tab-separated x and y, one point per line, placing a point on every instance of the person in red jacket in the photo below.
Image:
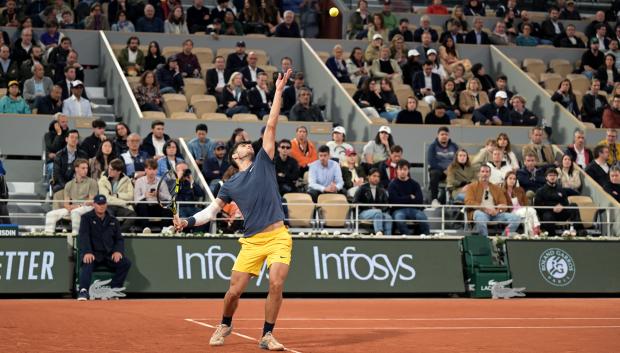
437	8
611	115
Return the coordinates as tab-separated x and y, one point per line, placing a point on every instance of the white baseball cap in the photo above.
501	94
431	51
76	83
413	52
385	129
377	36
340	130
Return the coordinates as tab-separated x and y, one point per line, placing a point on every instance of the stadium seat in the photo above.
533	76
350	88
402	91
261	57
244	117
333	216
184	116
534	66
214	117
480	265
116	48
203	55
204	66
174	103
301	214
462	122
323	55
225	52
194	86
255	35
580	83
269	70
562	67
167	51
154	115
550	80
583	37
423	108
587	212
280	118
203	104
134	81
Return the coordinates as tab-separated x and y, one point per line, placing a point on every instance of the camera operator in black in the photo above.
189	190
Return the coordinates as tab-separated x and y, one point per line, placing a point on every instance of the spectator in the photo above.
425	27
485	154
569	12
353	174
411	67
302	149
460	173
219	11
386	67
569	40
197	17
288	28
217	77
36	57
598	169
230	25
611	115
398	50
77	105
154	142
98	164
251	71
145	189
356	67
373	50
67	20
149	23
90	145
403	30
543	153
387	168
566	98
608	74
474	8
552	195
134	158
601	35
123	24
449	56
578	150
493	113
304	110
498	167
259	97
614	147
551	28
450	99
147	93
503	144
238	135
66	82
188	62
169	76
153	57
55	140
511	6
458	75
613	186
13	103
38	86
63	161
477	35
325	175
120	138
378	27
518	203
569	177
439	155
594	104
201	147
11	16
485	80
487	202
131	58
238	60
426	83
357	27
175	24
500	36
592	59
404	190
189	190
520	115
337	65
338	146
287	169
453	30
525	39
9	69
409	115
438	115
374	193
425	46
72	61
391	103
377	150
96	21
599	20
118	190
473	97
437	8
431	55
501	84
170	159
234	97
77	191
22	46
458	15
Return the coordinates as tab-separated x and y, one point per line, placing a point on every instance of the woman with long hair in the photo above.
378	149
377	27
515	195
486	82
392	106
356	66
147	93
459	174
569	177
99	163
337	146
398	49
235	98
458	14
176	24
238	135
503	143
431	55
153	57
170	160
120	138
368	97
459	77
449	56
473	97
123	24
565	96
608	74
450	98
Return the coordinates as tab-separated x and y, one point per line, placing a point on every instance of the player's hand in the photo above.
282	81
88	258
117	256
179	223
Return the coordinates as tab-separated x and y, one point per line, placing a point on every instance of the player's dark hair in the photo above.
233	150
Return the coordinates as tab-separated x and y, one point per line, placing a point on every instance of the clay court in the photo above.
309	325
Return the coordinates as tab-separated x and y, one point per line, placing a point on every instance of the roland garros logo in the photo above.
557	267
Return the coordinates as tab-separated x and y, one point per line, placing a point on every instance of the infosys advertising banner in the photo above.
565	266
169	265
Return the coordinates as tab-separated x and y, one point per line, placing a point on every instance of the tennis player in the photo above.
255	190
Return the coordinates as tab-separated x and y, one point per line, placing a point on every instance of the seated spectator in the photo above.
377	150
20	51
409	115
51	37
568	177
67	20
391	103
373	50
437	8
614	147
411	67
438	115
234	97
388	167
201	147
425	46
302	149
217	77
238	135
77	105
353	174
592	59
598	169
458	75
404	190
237	60
543	152
50	104
518	204
531	177
398	50
614	49
431	55
11	15
55	140
526	39
477	35
175	24
426	83
188	62
337	146
287	169
425	27
123	24
493	113
377	26
98	164
70	75
337	66
325	175
169	77
13	103
356	67
498	167
403	30
230	26
500	36
145	189
551	28
131	58
304	110
153	57
36	57
501	84
374	193
569	12
457	15
569	40
189	190
63	169
552	195
486	82
474	8
77	190
487	203
170	159
566	98
599	19
153	143
449	56
594	104
219	11
214	167
118	190
288	28
149	22
71	62
121	132
197	17
368	97
259	97
384	67
147	93
449	97
503	144
134	158
453	29
460	173
578	150
473	97
357	27
613	186
608	74
439	155
611	115
251	71
520	115
389	19
96	21
510	6
485	154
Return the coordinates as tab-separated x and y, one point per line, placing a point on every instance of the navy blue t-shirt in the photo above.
255	191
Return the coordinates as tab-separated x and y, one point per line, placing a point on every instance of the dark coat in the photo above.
597	173
346	175
212	80
247	77
340	75
547	30
147	144
100	237
589	111
364	195
418	83
90	145
234	63
66	91
531	181
570	150
168	78
63	170
53	141
290	169
527	118
48	106
256	102
488	111
470	38
211	169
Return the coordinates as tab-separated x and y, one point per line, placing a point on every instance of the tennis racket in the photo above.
167	191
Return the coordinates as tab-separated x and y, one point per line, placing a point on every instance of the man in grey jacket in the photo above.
38	86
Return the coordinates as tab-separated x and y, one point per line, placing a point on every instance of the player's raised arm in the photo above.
269	137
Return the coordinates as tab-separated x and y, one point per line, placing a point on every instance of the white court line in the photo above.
234	333
429	328
424	319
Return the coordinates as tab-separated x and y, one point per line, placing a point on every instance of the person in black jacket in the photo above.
251	71
551	29
607	82
287	169
493	113
217	77
50	104
374	193
63	165
409	115
153	143
592	59
477	35
169	76
565	97
598	169
100	242
438	116
520	115
304	110
405	190
55	140
259	97
197	17
552	195
613	185
486	82
213	168
237	60
569	40
420	88
594	104
90	145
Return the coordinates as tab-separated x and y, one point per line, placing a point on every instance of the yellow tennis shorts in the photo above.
275	246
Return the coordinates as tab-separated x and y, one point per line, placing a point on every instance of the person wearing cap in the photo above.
77	105
411	67
378	149
501	84
438	68
357	27
187	61
213	167
425	27
288	28
570	12
169	77
77	194
554	199
385	67
13	103
118	189
353	174
374	48
439	156
149	22
551	28
100	242
287	169
403	30
38	86
337	146
494	113
237	60
304	109
477	35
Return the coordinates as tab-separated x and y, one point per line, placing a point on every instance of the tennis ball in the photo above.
333	12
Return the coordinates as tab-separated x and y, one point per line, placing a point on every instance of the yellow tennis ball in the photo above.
333	12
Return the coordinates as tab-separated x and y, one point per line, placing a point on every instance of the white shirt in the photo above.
498	174
581	157
556	26
428	81
252	73
76	107
487	199
604	166
159	146
601	43
132	56
263	95
220	79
